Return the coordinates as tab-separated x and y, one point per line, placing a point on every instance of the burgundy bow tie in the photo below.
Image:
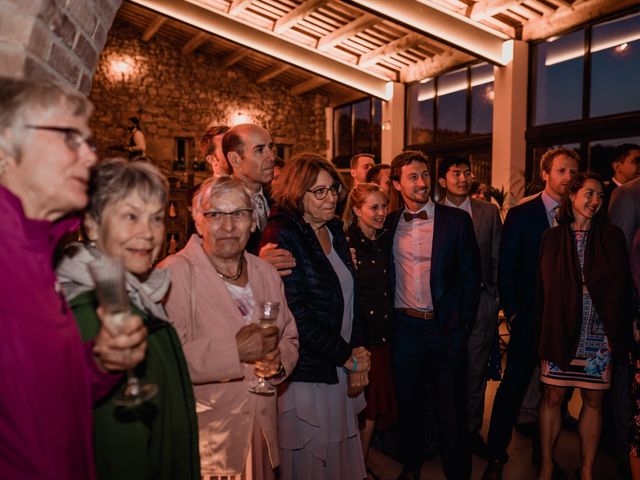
422	215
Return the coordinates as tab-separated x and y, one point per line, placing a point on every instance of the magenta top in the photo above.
48	377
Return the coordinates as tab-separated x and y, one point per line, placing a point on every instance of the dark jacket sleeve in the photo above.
508	265
470	272
314	334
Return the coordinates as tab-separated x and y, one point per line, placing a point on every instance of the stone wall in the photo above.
177	96
54	39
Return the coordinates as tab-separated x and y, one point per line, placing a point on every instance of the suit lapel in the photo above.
439	236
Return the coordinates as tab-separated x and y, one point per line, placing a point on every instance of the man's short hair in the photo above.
448	162
232	142
547	159
373	174
405	158
621	152
135	121
206	145
354	160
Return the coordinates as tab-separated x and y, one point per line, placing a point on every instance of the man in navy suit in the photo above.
517	273
435	280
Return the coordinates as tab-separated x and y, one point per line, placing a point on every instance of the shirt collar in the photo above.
428	207
466	205
549	203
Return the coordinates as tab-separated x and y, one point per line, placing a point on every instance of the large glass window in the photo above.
421	102
481	99
615	66
452	105
558	72
356	129
342	130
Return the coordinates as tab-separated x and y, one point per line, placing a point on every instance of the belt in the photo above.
418	313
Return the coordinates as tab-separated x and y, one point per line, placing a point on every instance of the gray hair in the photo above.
114	179
21	99
215	187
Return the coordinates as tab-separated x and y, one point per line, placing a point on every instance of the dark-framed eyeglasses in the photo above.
237	216
321	192
73	138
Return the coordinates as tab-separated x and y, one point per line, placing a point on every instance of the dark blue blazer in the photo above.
518	261
455	266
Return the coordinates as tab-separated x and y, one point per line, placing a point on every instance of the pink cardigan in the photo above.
227	411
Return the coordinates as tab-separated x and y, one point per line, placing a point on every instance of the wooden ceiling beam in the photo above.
347	31
235	57
237	6
444	25
272	72
153	27
401	44
308	85
197	40
566	18
297	14
433	66
488	8
540	6
274	46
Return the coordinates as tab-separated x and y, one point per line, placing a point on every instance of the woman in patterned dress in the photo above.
584	287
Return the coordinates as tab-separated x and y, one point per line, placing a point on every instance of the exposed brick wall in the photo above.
44	39
177	96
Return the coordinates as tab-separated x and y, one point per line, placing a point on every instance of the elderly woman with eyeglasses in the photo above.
157	439
49	377
319	436
214	303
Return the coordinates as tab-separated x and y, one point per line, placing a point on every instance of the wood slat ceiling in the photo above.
340	30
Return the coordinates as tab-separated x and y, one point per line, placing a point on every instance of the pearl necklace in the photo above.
231	278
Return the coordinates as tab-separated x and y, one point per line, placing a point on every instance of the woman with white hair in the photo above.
214	304
49	378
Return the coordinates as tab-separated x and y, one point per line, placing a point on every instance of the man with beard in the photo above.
517	273
454	176
435	280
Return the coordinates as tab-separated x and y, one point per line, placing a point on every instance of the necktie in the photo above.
422	215
262	211
554	216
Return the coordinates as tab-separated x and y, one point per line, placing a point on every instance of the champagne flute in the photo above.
268	318
109	277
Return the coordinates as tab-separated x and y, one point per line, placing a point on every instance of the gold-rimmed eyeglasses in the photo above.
73	138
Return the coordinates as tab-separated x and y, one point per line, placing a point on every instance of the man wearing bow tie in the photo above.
435	278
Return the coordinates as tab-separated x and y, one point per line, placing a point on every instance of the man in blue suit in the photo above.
517	273
435	280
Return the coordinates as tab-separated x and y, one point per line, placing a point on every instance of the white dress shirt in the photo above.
466	205
412	246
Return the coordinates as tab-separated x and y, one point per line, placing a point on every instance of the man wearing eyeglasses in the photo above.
249	150
435	280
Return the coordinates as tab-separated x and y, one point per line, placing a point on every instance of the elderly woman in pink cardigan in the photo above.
213	303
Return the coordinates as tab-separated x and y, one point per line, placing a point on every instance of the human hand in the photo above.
356	383
281	259
354	256
122	349
362	357
269	365
254	342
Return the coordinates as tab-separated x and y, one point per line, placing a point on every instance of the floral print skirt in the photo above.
591	365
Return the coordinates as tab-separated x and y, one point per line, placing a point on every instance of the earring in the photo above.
4	163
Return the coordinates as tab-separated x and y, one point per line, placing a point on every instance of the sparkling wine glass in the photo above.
109	277
268	318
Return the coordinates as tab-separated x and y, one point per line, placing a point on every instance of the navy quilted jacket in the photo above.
314	296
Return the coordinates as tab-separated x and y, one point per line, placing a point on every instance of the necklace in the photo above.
231	278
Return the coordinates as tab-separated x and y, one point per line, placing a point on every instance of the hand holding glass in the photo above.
109	277
268	318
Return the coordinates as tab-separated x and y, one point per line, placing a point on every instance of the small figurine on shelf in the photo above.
173	244
172	210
